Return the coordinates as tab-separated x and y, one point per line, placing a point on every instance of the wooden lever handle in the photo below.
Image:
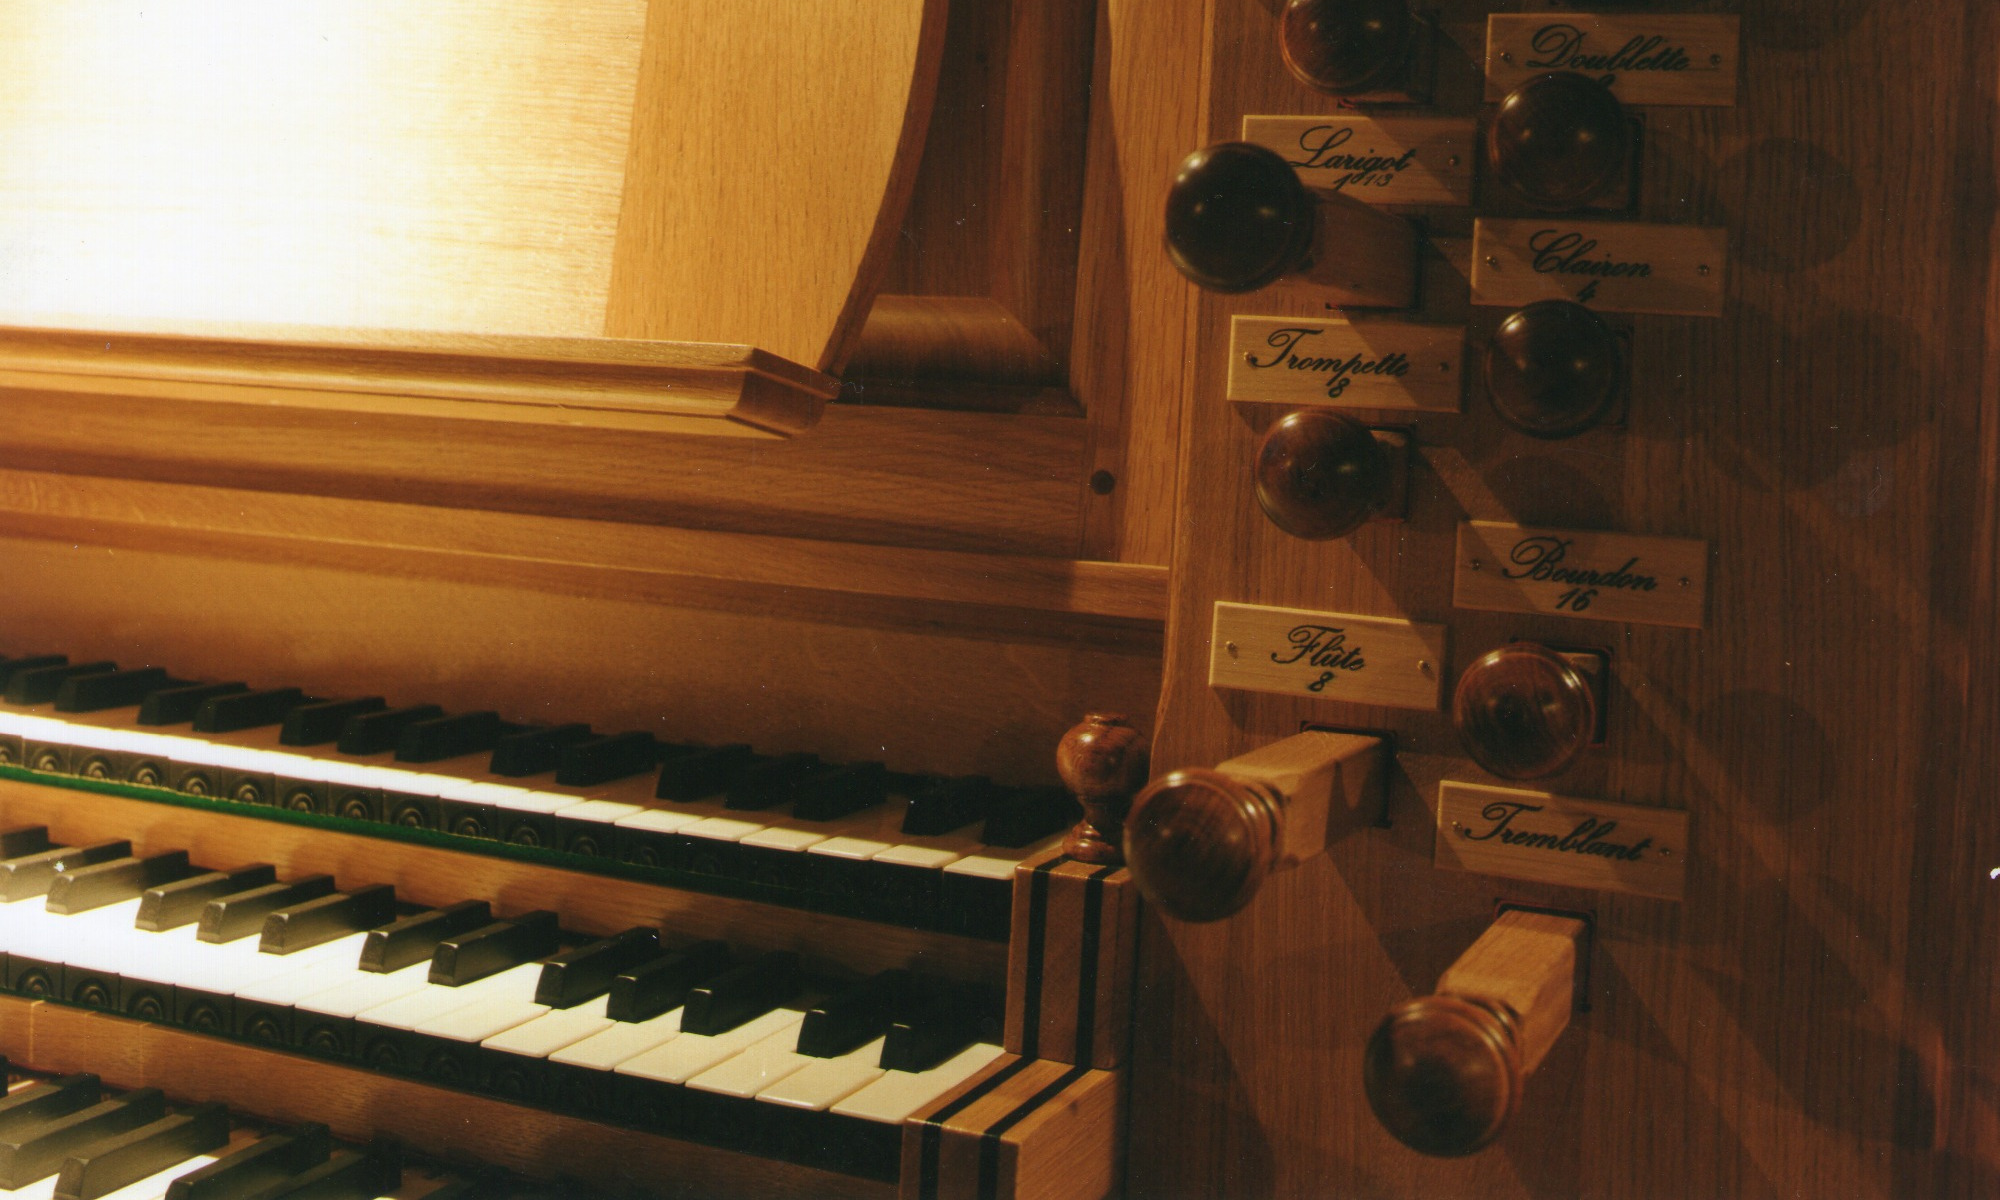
1524	711
1444	1072
1322	474
1201	842
1553	369
1559	140
1347	47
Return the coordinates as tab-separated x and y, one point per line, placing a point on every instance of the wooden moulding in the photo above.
1527	961
1069	969
1025	1128
660	387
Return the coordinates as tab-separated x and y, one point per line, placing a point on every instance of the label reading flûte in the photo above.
1615	266
1326	656
1545	838
1382	160
1573	573
1644	58
1375	364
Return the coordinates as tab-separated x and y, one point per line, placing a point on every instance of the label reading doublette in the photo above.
1545	838
1396	160
1644	58
1327	656
1571	573
1614	266
1374	364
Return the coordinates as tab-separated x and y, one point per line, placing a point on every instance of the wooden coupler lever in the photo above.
1201	842
1444	1072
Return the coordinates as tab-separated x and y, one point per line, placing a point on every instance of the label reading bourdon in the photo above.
1382	160
1573	573
1327	656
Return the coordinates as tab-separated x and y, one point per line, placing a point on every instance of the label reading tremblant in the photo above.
1644	58
1327	656
1395	160
1375	364
1615	266
1572	573
1546	838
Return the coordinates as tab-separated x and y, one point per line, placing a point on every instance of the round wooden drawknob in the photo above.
1559	140
1103	760
1238	218
1443	1074
1553	369
1321	475
1347	47
1200	843
1524	712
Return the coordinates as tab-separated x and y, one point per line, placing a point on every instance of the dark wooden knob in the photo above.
1238	218
1200	843
1524	712
1559	140
1321	475
1553	369
1443	1074
1347	47
1103	760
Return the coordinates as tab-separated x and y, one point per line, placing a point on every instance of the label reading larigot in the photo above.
1644	58
1546	838
1399	160
1327	656
1376	364
1573	573
1610	265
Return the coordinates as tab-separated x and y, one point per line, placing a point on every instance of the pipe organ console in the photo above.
563	632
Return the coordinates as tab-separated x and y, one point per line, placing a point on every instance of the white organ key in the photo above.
690	1054
756	1068
497	1011
366	990
892	1098
658	820
339	962
820	1083
435	1000
998	862
625	1040
554	1029
154	1187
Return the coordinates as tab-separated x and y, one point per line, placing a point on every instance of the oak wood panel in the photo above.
1793	1030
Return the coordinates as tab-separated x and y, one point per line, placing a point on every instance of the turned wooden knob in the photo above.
1553	369
1347	47
1559	140
1443	1074
1322	475
1238	218
1103	760
1200	843
1524	712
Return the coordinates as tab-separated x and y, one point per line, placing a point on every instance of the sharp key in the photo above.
228	918
39	1151
855	1016
142	1152
36	1103
317	724
653	988
264	1163
448	737
11	667
172	905
741	995
700	773
466	957
177	706
772	782
346	1175
415	938
372	733
113	689
33	874
39	685
536	750
841	792
21	840
602	759
937	1021
248	710
585	973
1029	815
324	918
118	880
949	804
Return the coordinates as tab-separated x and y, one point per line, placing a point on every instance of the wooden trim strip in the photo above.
1086	987
1038	929
933	1125
989	1141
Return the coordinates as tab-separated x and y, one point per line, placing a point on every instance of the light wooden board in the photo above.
1383	160
1325	655
1376	364
1546	838
1574	573
1617	266
1645	58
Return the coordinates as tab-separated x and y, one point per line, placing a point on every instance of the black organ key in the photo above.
147	1150
491	949
602	759
448	737
325	918
40	1150
39	685
172	905
662	985
771	782
19	840
1029	815
267	1162
415	938
853	1018
113	689
346	1175
937	1021
248	710
840	791
41	1102
949	804
700	773
535	750
10	667
585	973
230	917
314	724
372	733
742	994
173	706
116	880
34	874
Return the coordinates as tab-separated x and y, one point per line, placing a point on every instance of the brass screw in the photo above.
1462	830
1506	57
1701	269
1664	852
1452	161
1686	582
1445	366
1424	666
1250	356
1231	647
1476	565
1715	60
1491	261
